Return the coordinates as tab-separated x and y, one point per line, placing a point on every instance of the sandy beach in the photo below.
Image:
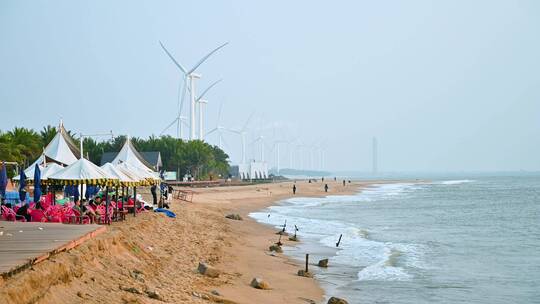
153	254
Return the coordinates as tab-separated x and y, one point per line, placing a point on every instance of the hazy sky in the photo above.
443	85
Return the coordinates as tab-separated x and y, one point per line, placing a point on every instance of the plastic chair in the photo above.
37	215
10	215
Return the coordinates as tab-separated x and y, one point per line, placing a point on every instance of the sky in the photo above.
443	85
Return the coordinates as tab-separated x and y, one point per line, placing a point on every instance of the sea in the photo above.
461	239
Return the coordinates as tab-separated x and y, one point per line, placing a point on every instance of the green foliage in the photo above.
196	157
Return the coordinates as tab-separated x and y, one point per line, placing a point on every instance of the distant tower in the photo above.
374	156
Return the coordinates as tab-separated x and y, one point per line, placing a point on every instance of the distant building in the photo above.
152	157
253	170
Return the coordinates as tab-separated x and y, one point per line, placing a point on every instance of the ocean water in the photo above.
467	240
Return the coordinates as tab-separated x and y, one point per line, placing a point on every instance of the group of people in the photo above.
326	187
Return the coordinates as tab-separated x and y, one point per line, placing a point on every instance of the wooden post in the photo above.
107	204
339	241
123	202
134	201
307	261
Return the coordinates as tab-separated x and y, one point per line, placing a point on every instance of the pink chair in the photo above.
37	215
10	215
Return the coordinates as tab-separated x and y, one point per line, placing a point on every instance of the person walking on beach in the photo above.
154	194
325	187
343	183
294	189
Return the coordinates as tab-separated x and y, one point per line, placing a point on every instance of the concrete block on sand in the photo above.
304	273
334	300
259	283
276	248
208	270
323	263
293	238
234	216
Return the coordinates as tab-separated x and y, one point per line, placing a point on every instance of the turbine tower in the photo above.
219	128
190	76
201	102
242	132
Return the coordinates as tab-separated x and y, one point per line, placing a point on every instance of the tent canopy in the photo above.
128	154
62	149
125	179
83	172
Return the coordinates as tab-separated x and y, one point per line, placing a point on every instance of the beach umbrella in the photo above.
22	185
3	180
37	184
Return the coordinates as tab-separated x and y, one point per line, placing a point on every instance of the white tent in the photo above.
46	171
136	172
125	179
60	150
51	169
129	155
83	172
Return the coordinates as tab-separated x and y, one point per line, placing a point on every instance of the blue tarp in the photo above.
167	212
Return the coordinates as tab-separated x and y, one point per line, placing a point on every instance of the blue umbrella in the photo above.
22	192
3	181
37	184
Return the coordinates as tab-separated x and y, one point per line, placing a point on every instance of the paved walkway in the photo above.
25	244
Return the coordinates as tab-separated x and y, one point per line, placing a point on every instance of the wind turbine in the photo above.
260	140
277	144
191	76
242	132
219	128
201	103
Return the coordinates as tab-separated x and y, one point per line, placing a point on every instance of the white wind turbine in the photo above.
191	76
242	132
219	128
202	103
260	140
276	146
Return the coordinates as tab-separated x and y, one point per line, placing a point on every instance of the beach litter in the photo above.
167	212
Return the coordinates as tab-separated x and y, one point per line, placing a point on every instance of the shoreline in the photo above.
249	255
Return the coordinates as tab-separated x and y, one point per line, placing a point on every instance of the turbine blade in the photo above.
219	113
166	128
172	58
181	106
208	89
211	131
206	57
247	122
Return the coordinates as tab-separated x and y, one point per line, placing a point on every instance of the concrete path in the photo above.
25	244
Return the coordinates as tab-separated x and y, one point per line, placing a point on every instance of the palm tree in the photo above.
27	141
47	134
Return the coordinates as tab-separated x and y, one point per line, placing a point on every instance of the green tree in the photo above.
47	134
